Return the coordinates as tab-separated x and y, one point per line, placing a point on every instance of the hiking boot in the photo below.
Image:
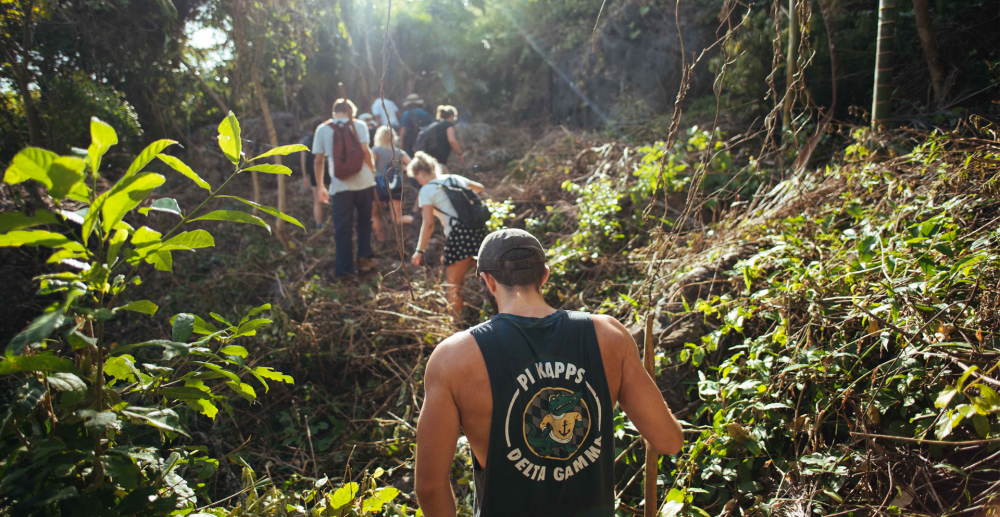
366	264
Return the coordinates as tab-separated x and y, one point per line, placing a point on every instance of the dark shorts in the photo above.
462	242
312	178
389	186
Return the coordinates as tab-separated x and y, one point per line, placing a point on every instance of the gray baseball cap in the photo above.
498	243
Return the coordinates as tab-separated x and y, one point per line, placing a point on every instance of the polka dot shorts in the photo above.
462	242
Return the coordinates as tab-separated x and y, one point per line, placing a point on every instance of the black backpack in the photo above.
414	124
470	210
427	140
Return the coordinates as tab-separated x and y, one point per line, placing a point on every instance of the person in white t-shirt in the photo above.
461	242
351	195
383	118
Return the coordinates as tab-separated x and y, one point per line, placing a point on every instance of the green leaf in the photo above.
183	326
102	137
244	390
31	163
143	306
166	204
234	350
944	398
268	210
121	367
44	238
17	220
73	388
270	168
115	245
126	196
97	422
234	216
186	171
165	419
267	373
229	138
65	175
283	151
990	396
40	329
184	393
965	377
343	496
44	362
249	328
193	239
161	260
200	326
151	151
204	406
254	312
982	426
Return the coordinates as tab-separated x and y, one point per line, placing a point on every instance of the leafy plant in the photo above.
94	423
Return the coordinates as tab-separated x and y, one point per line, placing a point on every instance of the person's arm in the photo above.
426	228
437	437
475	186
319	191
639	397
453	142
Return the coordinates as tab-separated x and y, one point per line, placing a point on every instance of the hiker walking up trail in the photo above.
344	140
382	117
388	180
413	120
462	238
438	139
534	390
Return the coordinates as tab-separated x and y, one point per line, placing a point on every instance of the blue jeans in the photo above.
344	205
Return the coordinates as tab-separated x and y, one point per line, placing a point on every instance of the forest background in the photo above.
821	287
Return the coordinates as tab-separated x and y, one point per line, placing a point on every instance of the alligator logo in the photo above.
556	422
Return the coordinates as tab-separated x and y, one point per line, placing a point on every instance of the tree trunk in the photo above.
883	62
925	27
791	64
244	52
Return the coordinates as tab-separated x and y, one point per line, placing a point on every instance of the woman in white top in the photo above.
388	180
461	243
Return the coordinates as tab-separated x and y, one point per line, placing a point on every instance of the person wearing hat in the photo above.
413	120
534	391
369	121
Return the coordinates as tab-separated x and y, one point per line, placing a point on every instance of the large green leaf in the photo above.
165	419
229	138
32	163
193	239
234	216
40	329
73	388
121	367
143	306
102	137
250	328
282	150
18	220
200	326
161	260
65	175
115	245
236	350
270	169
184	393
44	238
44	362
126	196
146	156
183	326
97	422
268	210
183	168
166	204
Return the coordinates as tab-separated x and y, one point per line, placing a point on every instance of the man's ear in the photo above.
545	278
491	283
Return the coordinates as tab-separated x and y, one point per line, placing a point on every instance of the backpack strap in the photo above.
451	217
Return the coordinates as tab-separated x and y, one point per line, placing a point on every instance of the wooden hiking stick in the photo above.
652	458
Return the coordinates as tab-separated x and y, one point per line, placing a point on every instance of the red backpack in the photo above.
348	156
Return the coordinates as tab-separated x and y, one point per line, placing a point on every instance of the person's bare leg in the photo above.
317	212
377	220
397	207
455	278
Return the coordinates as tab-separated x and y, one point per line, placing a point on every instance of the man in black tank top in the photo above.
534	390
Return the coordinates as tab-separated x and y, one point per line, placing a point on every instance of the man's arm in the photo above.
320	191
437	438
639	397
302	165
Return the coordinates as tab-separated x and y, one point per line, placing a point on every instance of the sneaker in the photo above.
366	264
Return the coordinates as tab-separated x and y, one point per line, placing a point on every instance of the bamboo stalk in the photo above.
883	62
652	458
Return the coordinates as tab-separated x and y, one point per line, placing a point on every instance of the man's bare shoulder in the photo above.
455	356
612	334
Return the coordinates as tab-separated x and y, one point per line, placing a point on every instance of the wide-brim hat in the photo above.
412	99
